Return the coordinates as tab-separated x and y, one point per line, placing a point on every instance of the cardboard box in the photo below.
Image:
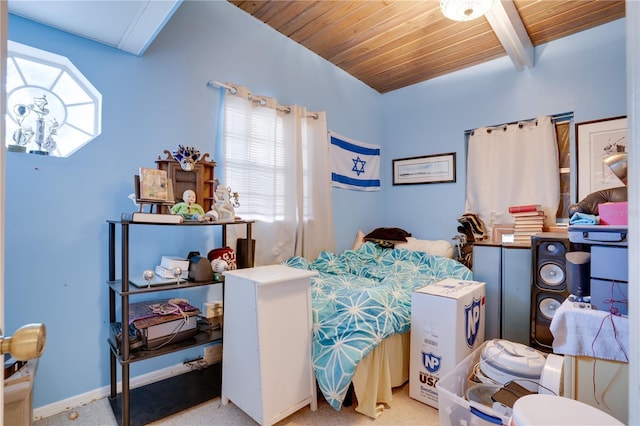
613	213
447	324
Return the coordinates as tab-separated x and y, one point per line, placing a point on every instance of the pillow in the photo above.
387	237
358	241
433	247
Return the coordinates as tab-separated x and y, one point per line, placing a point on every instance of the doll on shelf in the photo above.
188	208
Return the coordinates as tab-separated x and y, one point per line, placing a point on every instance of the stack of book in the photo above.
168	264
529	221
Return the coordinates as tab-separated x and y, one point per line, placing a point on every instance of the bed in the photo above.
361	300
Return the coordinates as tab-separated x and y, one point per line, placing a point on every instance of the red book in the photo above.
525	208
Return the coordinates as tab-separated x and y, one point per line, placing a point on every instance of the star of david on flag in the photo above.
354	165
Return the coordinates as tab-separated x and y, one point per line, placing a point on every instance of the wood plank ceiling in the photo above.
393	44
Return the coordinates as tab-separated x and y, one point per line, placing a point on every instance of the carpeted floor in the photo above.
402	411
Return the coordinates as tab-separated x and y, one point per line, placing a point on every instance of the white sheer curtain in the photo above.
515	164
277	159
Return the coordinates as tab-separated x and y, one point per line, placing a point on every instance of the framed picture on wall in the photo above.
597	140
439	168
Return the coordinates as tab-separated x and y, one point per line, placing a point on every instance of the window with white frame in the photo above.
52	109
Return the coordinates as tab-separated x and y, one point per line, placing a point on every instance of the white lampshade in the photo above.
465	10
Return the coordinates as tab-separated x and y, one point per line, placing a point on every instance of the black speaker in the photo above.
549	285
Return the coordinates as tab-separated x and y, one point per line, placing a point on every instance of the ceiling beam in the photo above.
506	23
146	24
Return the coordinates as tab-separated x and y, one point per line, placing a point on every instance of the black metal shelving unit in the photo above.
122	290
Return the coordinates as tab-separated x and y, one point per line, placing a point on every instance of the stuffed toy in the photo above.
224	253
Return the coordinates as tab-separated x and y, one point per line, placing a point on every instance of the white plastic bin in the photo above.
454	408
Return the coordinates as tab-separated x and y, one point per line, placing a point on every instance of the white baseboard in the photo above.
103	392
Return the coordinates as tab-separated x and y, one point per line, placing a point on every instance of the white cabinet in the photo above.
267	370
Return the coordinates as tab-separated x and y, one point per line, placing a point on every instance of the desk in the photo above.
596	370
18	395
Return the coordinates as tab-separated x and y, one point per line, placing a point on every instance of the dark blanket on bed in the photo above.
359	298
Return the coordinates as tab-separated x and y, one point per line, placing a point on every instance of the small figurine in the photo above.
188	208
223	208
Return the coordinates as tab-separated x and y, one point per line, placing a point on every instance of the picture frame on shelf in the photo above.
154	185
153	197
437	168
502	233
596	140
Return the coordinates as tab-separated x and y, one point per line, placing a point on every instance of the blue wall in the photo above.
583	73
56	232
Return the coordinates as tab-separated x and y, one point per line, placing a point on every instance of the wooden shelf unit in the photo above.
201	179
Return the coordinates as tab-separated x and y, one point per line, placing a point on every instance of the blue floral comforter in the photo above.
359	298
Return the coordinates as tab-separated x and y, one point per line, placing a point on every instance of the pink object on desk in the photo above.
613	213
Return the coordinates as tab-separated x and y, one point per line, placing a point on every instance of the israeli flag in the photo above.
354	165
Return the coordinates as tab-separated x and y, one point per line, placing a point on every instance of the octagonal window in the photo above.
52	109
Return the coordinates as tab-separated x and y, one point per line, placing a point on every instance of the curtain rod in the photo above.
233	91
214	84
556	118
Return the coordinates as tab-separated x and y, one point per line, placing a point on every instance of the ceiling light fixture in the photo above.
465	10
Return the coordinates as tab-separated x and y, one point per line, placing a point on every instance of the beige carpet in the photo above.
403	411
